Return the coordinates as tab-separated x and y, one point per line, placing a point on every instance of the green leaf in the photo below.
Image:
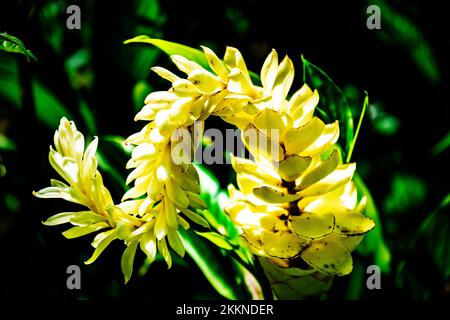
361	117
400	30
216	199
9	81
386	124
356	282
333	101
436	230
220	270
140	90
217	239
88	117
13	44
171	48
442	145
49	109
373	243
407	192
151	11
6	143
112	155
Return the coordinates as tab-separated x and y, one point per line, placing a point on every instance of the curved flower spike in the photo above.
296	204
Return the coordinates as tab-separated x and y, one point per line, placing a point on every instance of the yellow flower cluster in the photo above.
296	204
296	200
172	185
84	185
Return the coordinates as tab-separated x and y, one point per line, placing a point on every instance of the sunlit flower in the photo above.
172	189
83	185
296	204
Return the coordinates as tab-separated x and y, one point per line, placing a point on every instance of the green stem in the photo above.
352	145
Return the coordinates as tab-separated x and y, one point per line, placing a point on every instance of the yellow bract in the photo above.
301	173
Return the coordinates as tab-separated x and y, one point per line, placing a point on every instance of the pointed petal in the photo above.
283	244
311	225
328	257
165	74
283	82
272	120
127	260
292	167
270	195
164	250
176	243
302	104
148	245
323	170
269	72
185	65
352	223
205	81
296	140
102	245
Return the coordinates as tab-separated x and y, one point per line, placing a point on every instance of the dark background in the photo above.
101	83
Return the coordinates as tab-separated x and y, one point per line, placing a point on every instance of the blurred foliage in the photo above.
442	145
400	29
436	230
90	77
407	192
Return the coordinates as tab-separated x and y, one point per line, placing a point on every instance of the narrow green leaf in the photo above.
442	145
217	239
436	231
9	80
352	145
218	268
88	118
49	109
373	243
13	44
171	48
402	31
356	283
211	193
333	101
6	143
